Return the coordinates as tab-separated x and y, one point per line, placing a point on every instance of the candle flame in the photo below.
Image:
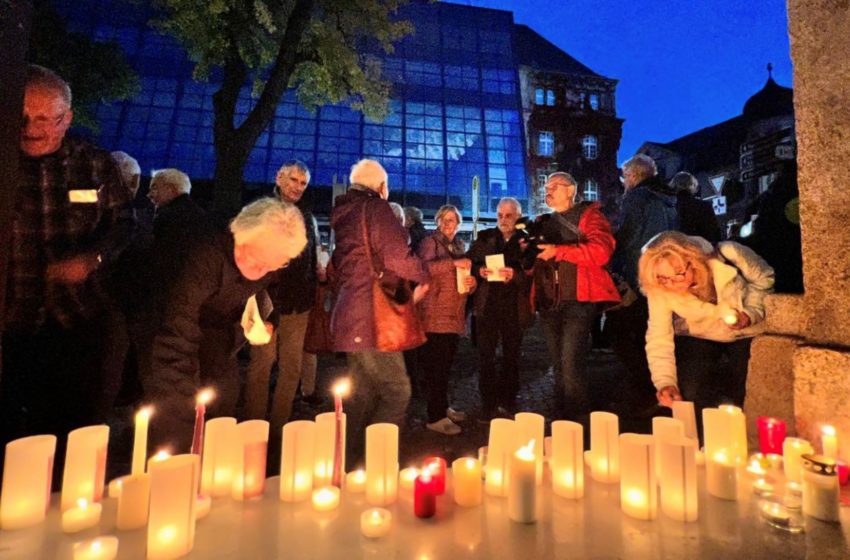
411	473
828	430
376	517
161	455
526	452
730	319
342	387
731	409
82	503
144	413
721	456
95	546
470	463
360	476
205	396
324	495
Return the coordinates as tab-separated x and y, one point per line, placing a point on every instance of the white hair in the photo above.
172	178
642	165
127	164
368	173
684	182
511	200
398	211
272	219
563	175
296	164
45	79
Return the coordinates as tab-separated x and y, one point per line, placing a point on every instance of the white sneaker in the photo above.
456	416
445	427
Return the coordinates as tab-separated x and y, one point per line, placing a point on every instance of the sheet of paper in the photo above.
462	275
495	263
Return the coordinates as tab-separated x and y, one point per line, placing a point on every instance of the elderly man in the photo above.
71	220
196	344
647	208
570	279
292	292
502	309
381	389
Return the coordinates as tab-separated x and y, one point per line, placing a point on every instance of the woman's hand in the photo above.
667	395
471	283
547	251
463	263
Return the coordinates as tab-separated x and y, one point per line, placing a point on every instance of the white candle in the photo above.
567	459
407	478
250	476
296	461
133	502
638	492
721	476
27	476
140	441
829	442
325	446
532	426
663	429
355	481
114	486
326	499
221	450
466	480
684	412
341	389
738	432
522	485
85	465
604	447
375	522
501	446
82	516
792	451
101	548
173	498
381	464
678	478
820	488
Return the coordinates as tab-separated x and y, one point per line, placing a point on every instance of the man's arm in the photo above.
597	246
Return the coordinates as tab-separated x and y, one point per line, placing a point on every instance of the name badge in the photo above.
82	196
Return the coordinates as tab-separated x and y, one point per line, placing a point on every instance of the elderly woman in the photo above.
705	305
443	313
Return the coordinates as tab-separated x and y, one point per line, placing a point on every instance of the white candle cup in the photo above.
530	425
221	449
297	460
605	447
326	499
738	434
134	501
113	489
638	487
725	429
522	485
140	440
27	476
407	479
249	481
381	464
678	478
664	428
466	481
355	481
566	462
829	442
792	451
173	499
502	444
323	461
101	548
820	488
721	475
761	487
376	523
684	412
780	517
85	466
84	515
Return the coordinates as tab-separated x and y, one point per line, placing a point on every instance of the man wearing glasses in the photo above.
71	220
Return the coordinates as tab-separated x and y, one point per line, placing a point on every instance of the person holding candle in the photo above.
705	304
444	318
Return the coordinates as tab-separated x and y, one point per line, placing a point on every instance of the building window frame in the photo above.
590	147
593	100
546	143
539	96
590	192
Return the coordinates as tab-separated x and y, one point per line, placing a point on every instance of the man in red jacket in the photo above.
570	279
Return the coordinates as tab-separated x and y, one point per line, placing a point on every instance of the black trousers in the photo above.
436	357
625	330
498	387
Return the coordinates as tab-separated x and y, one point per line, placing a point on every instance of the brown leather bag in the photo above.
397	326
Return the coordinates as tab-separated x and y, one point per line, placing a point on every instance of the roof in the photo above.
532	49
712	146
771	101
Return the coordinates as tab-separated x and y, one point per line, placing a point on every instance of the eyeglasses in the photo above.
43	122
677	278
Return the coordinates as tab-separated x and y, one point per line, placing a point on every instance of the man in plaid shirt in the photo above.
72	217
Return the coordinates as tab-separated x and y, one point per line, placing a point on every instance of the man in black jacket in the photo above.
696	216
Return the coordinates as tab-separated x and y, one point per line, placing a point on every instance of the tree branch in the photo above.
224	100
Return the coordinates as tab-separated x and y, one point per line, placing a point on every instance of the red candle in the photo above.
437	466
204	397
771	434
425	495
843	473
340	390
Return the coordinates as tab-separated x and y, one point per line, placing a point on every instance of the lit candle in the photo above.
221	449
134	501
82	516
250	479
567	461
501	445
792	451
684	412
730	318
756	466
324	448
375	523
85	465
820	488
532	426
522	485
678	479
326	499
829	441
738	433
437	466
296	461
114	486
201	400
425	495
101	548
140	440
381	464
604	447
762	487
173	499
771	434
407	478
721	476
27	476
466	480
340	390
638	487
160	455
778	516
725	428
355	481
664	428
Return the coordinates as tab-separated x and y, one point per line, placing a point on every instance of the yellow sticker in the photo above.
84	196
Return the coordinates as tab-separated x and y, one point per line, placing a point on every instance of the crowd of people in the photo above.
103	293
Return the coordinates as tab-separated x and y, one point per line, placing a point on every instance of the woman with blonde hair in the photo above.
705	306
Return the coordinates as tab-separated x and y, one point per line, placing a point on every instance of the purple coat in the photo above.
352	322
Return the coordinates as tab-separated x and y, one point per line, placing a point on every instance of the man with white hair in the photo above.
381	389
199	337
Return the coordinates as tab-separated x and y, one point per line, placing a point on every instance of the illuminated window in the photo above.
591	190
590	147
546	144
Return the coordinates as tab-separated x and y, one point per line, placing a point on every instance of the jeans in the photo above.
437	355
498	388
567	332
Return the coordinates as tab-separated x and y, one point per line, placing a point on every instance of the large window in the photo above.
424	147
546	144
590	147
498	81
594	101
550	97
544	97
591	190
505	162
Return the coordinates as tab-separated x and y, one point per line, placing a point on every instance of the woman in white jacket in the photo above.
705	305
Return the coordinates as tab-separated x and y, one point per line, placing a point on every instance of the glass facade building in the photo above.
455	110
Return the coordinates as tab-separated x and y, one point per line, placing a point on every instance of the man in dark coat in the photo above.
696	216
380	387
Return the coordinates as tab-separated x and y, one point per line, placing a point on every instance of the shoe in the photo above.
456	416
445	427
313	400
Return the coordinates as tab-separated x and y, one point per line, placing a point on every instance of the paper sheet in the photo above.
495	263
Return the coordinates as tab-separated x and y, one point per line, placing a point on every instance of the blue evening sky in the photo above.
681	65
